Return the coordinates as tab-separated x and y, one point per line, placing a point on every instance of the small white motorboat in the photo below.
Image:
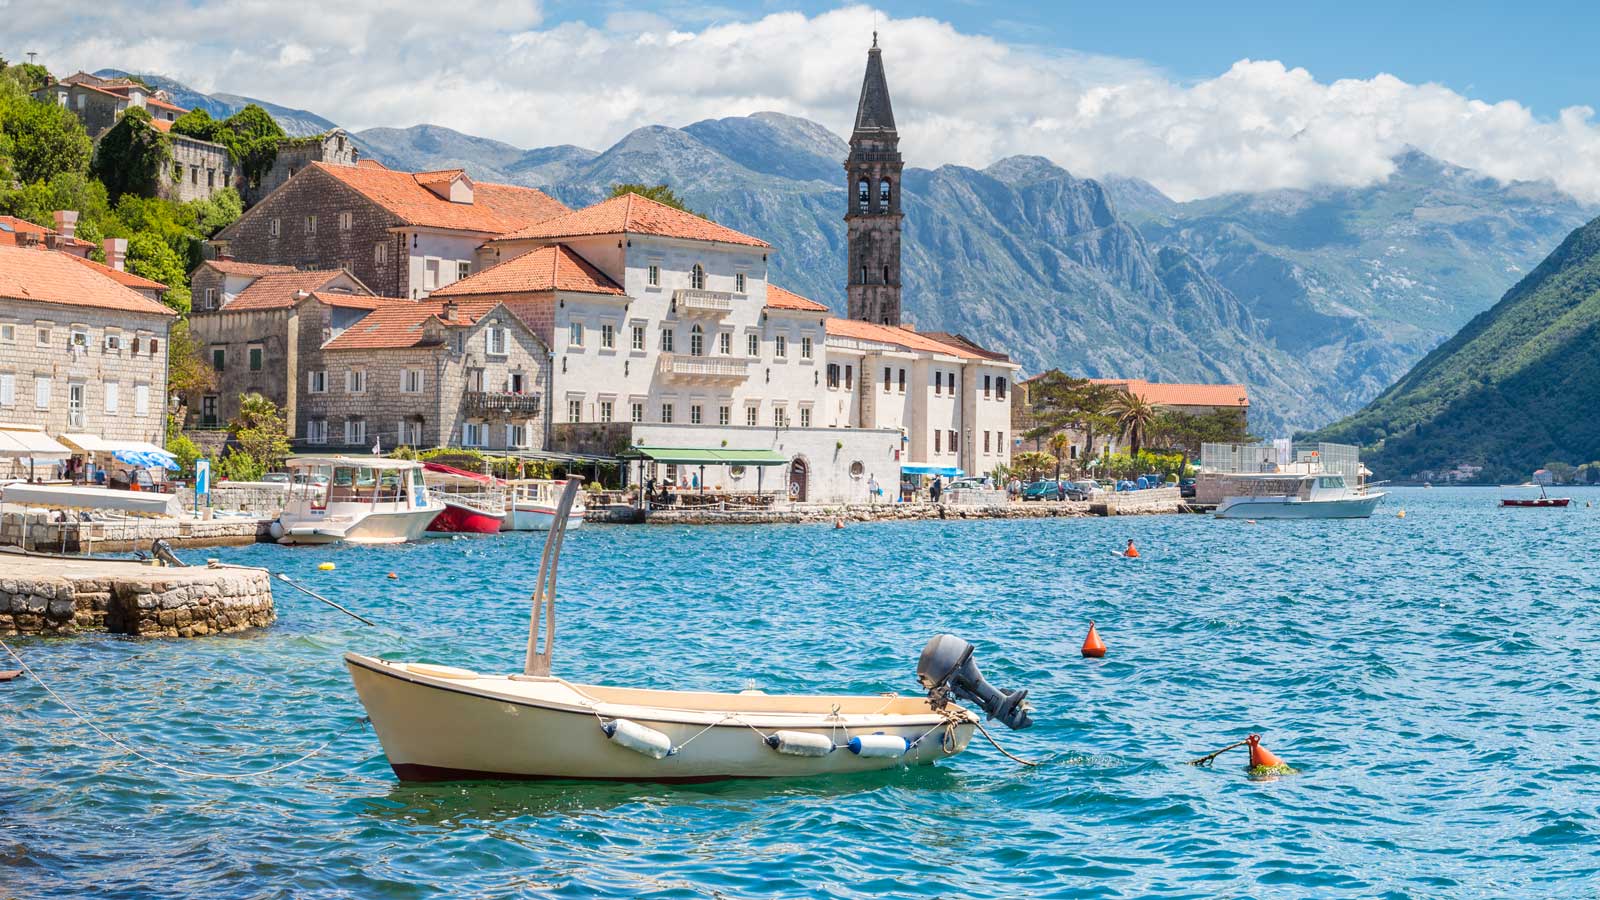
533	503
364	501
1320	495
442	723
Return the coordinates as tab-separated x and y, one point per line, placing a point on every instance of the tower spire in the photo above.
872	216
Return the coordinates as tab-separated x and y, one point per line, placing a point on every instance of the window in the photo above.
514	382
666	340
211	298
805	417
317	382
902	381
8	389
355	431
608	336
274	225
805	348
725	343
653	275
78	337
833	375
724	415
42	335
255	359
849	378
355	381
463	269
574	410
752	415
936	446
697	341
638	337
495	340
951	437
738	283
605	410
219	358
317	431
475	380
780	417
986	387
780	346
938	382
883	195
8	333
113	342
430	274
636	413
380	253
697	277
753	345
694	414
141	399
575	334
346	219
311	228
1000	388
863	195
474	434
888	379
1000	442
411	433
666	413
112	398
154	346
986	442
411	381
194	174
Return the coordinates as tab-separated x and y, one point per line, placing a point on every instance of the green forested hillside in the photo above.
1518	387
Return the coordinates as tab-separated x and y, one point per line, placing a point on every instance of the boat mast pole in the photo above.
544	591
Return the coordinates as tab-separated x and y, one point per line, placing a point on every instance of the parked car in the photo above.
1081	490
1186	488
276	478
1042	490
965	484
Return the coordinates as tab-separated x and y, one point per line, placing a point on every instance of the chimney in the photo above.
52	241
449	311
116	252
28	239
67	223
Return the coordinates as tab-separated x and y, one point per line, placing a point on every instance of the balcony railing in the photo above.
711	303
703	368
507	402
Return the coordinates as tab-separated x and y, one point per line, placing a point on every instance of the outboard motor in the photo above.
162	550
946	668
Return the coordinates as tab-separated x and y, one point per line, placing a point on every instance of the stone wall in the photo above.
197	170
37	530
333	147
47	596
259	498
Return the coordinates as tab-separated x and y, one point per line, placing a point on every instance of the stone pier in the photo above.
63	595
1146	502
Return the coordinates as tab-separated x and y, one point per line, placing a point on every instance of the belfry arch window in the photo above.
697	277
885	274
863	275
883	195
863	194
697	341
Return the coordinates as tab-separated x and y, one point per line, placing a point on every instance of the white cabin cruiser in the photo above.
365	501
1314	495
533	503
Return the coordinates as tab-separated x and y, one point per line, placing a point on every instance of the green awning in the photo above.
706	456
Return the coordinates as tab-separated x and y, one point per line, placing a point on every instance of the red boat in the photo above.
473	503
1543	501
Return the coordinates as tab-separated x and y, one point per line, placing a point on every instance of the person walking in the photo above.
873	490
936	490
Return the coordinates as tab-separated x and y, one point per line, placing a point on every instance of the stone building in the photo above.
97	102
198	169
332	147
872	218
79	352
403	234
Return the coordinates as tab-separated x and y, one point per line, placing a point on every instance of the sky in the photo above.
1197	98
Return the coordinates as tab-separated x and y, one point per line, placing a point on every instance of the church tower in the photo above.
872	218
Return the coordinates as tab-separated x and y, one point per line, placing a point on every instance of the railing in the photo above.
703	367
478	402
689	301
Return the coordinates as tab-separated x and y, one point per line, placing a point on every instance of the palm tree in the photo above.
1031	462
1134	416
1059	444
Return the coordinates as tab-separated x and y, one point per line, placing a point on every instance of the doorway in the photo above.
797	480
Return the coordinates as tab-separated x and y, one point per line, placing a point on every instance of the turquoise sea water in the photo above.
1433	678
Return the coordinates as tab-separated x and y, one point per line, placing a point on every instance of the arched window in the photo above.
697	341
883	195
863	194
863	275
885	274
697	277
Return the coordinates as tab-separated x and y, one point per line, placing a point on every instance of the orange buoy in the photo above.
1132	552
393	575
1093	647
838	524
1261	757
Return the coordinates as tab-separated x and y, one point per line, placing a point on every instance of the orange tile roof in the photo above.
47	277
553	268
277	290
1181	394
151	101
11	226
779	298
127	279
495	208
161	124
235	267
357	301
892	334
634	214
390	327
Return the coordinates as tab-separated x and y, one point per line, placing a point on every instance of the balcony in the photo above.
703	369
690	302
485	403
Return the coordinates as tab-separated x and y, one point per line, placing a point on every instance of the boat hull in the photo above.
378	528
465	520
461	728
538	517
1543	503
1286	508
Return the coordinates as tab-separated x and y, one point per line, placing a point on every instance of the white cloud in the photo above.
497	69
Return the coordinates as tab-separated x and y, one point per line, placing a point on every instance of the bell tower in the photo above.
872	217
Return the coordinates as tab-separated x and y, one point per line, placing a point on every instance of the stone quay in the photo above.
61	595
1147	502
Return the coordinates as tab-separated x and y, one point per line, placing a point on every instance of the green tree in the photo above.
28	76
1033	462
132	155
1188	431
251	136
198	124
1059	444
188	371
1059	402
1133	415
38	201
262	434
179	445
42	140
658	192
150	257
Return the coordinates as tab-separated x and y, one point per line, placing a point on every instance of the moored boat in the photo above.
532	505
365	501
1296	496
1543	501
441	723
473	503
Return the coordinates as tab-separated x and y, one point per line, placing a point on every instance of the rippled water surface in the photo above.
1433	677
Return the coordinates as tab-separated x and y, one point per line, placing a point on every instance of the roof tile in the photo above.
1181	394
634	214
48	277
495	208
896	335
553	268
277	290
780	298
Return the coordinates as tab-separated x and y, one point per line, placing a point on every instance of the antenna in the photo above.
33	53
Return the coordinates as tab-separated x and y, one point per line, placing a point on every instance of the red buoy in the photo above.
1093	647
1261	756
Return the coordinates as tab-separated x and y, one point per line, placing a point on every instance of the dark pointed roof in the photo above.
874	114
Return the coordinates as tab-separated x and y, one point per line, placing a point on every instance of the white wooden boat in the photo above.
366	501
533	503
441	723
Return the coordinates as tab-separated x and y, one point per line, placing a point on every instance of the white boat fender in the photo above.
800	743
638	738
882	745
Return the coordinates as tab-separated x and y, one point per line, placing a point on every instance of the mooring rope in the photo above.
187	773
1209	758
1007	753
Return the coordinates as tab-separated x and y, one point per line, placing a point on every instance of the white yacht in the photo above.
533	505
1279	495
364	501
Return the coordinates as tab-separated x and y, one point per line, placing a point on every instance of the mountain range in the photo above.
1315	299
